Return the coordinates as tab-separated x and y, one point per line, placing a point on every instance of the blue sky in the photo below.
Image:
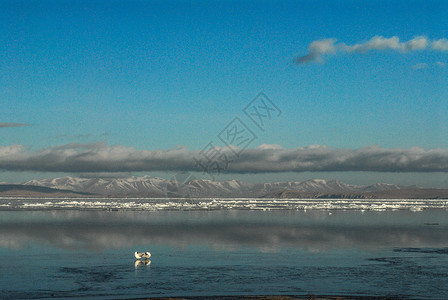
158	75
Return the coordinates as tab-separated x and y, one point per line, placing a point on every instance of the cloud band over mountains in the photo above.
99	157
325	47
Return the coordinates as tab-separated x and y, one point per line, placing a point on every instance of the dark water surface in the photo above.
60	253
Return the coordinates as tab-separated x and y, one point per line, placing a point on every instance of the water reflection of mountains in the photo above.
271	231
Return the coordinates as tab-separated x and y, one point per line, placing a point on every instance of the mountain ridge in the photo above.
147	186
37	191
153	187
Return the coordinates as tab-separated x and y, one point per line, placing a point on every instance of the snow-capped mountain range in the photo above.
157	187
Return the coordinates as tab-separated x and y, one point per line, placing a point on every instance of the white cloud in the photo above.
417	43
95	158
440	45
269	147
376	43
420	66
440	64
317	49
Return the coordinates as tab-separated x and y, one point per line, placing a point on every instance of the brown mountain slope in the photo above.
18	190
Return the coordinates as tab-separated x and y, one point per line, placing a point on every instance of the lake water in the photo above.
51	253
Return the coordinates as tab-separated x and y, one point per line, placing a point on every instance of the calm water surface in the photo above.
73	253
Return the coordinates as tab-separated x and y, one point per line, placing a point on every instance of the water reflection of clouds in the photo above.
102	230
